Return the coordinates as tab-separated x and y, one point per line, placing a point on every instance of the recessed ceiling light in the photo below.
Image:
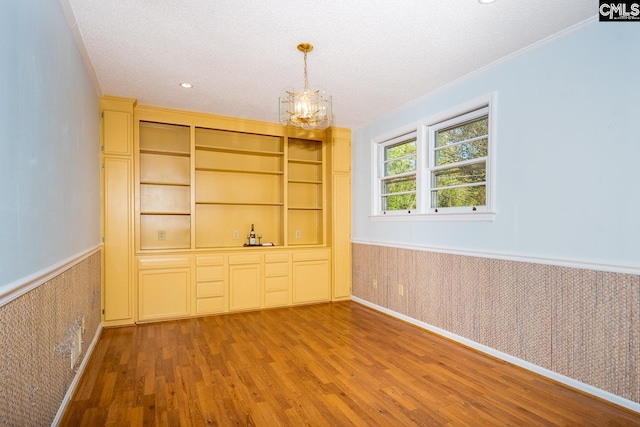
186	85
486	1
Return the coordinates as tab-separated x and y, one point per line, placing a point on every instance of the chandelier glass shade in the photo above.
305	108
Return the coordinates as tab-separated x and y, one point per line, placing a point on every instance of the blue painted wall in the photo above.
49	142
568	154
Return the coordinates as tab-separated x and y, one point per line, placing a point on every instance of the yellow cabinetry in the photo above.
117	128
180	193
164	285
311	276
117	203
118	298
277	283
244	281
211	284
339	141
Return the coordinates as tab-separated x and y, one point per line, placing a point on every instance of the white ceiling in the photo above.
372	56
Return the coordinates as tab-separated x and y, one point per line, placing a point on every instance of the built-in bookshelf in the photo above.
304	190
165	186
180	193
239	181
202	188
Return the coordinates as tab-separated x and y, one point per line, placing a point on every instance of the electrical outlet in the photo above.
298	234
236	236
400	290
375	284
162	235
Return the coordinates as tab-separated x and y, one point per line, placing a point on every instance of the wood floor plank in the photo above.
318	365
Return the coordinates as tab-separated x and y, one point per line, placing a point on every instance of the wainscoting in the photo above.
579	323
36	335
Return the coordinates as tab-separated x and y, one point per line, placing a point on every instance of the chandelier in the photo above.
305	108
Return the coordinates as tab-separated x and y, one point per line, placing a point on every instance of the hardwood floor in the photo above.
324	365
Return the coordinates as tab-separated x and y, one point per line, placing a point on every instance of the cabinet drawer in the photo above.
210	289
147	263
276	299
210	273
276	283
209	305
210	260
310	256
276	258
276	269
244	259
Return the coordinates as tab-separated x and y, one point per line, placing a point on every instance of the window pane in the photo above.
468	174
400	150
399	166
400	158
462	132
399	185
399	202
460	196
462	152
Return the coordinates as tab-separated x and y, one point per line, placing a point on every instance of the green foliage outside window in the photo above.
400	159
461	143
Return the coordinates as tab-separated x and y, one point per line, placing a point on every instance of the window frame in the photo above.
424	130
381	177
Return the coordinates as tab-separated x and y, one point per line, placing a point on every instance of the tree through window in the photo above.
398	177
438	166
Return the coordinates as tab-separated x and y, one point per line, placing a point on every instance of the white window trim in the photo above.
377	172
423	211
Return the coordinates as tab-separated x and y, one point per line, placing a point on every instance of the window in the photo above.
438	168
398	173
458	162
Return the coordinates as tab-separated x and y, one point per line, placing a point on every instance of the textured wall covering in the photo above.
35	338
583	324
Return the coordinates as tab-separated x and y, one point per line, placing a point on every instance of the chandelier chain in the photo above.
306	79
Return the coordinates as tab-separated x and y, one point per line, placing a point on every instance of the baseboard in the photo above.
76	380
578	385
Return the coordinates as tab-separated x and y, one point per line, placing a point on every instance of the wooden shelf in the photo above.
240	151
240	171
303	181
165	152
297	208
177	184
306	162
239	203
164	213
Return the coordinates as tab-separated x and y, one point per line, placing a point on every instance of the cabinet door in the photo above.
164	293
311	281
117	132
341	236
244	286
118	289
341	154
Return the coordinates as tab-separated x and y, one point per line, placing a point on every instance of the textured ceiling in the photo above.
372	56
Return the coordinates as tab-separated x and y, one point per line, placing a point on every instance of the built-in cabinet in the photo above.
181	193
116	148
